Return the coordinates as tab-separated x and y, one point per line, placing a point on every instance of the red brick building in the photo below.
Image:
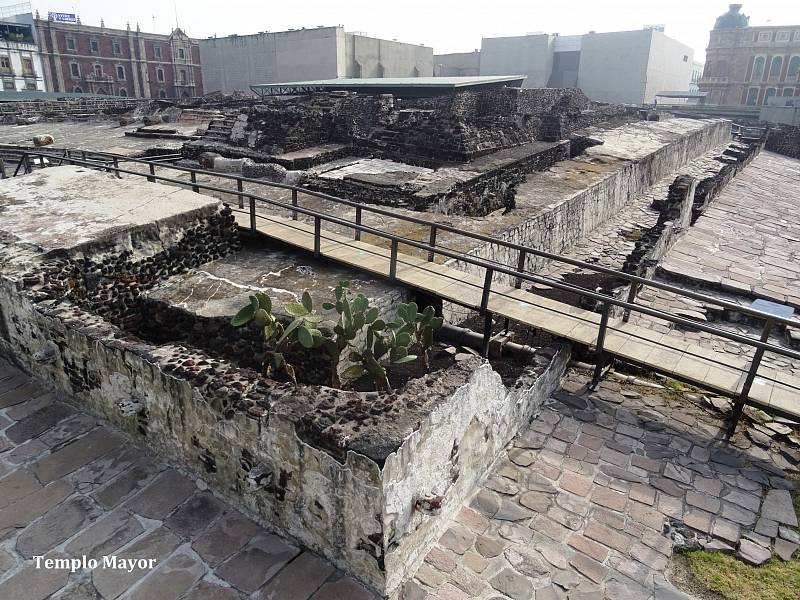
118	62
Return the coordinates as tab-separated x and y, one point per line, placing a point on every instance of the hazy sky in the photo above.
447	25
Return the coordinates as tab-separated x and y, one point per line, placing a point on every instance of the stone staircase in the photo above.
220	128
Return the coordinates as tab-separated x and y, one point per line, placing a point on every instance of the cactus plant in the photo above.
383	344
425	324
277	338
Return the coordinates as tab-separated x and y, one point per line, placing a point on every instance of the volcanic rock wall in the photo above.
784	140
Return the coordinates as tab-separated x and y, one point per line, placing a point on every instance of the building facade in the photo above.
457	64
20	62
118	62
749	65
628	67
236	62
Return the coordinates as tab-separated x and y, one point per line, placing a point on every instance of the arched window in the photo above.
162	94
794	69
98	70
752	97
775	67
771	92
77	90
123	92
758	68
101	92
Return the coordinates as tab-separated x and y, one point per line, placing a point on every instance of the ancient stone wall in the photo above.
784	140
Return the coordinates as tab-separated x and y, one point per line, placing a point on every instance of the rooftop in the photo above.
409	86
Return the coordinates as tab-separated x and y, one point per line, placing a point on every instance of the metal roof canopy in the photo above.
408	87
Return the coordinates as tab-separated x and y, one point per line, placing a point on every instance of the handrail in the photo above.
490	267
443	227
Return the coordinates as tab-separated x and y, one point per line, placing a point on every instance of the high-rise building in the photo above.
20	62
749	65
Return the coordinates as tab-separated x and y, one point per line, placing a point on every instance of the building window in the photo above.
182	75
123	92
771	93
794	69
162	94
94	46
159	74
30	86
5	63
8	84
758	68
782	36
775	67
181	53
74	69
71	44
98	71
752	97
157	52
27	67
685	58
765	36
77	90
120	72
797	36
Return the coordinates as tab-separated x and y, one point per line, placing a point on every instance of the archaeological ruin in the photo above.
340	310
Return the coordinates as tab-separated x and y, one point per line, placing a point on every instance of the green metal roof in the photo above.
413	85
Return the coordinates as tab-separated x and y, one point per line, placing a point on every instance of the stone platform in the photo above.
367	480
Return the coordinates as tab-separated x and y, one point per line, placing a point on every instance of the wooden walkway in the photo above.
720	372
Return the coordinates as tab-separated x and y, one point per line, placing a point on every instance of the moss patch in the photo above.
735	580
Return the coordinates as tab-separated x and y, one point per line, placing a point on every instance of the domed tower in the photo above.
732	19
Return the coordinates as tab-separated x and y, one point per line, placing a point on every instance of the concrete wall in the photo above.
373	57
237	62
457	64
613	66
669	67
530	55
234	63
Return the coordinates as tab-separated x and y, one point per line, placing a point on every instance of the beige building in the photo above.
748	65
236	62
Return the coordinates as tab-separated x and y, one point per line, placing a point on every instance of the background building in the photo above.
457	64
119	62
749	65
623	66
20	61
236	62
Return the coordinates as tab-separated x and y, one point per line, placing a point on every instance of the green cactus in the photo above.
425	324
278	339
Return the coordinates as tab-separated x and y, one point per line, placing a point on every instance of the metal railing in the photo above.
111	163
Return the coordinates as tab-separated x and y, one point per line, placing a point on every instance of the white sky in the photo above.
447	25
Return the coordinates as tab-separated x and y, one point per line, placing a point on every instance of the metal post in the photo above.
317	236
631	300
294	203
487	288
432	242
520	268
28	168
152	178
738	406
116	168
253	227
193	177
487	334
393	261
239	188
599	354
2	169
358	222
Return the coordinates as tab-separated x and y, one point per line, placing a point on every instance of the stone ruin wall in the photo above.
293	455
784	139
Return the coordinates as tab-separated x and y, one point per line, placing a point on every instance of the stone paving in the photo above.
748	241
592	499
101	136
71	487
